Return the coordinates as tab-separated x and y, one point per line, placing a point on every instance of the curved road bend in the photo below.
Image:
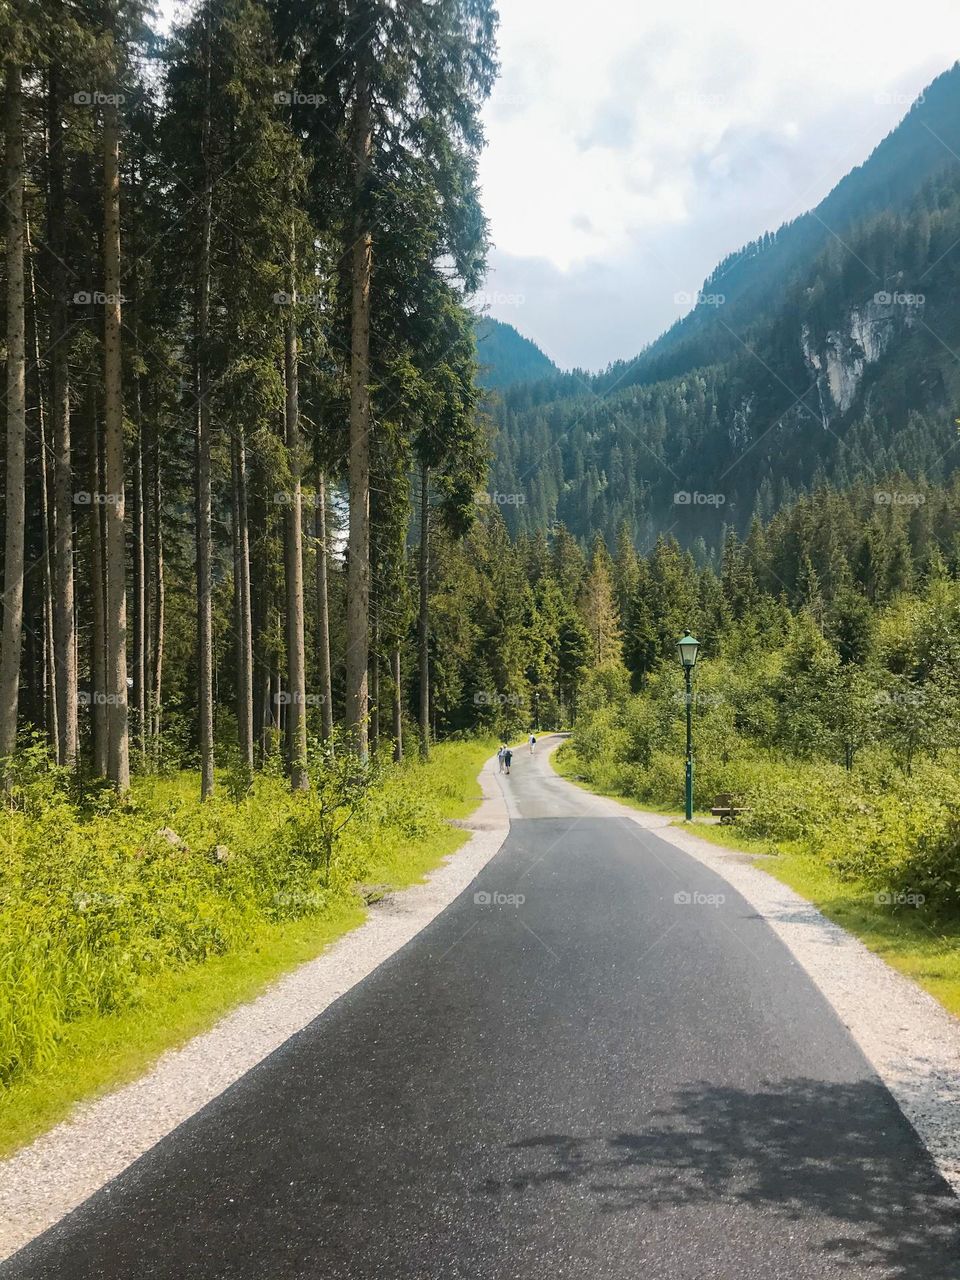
603	1066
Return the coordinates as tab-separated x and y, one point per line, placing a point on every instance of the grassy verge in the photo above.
930	956
97	1051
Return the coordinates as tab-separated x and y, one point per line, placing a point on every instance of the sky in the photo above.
632	145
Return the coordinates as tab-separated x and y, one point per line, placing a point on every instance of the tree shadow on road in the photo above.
801	1149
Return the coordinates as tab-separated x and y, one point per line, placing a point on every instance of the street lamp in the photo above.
688	648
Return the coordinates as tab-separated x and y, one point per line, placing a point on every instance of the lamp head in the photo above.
688	648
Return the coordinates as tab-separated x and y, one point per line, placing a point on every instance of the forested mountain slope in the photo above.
825	352
506	357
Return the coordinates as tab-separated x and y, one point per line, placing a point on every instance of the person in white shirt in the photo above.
533	743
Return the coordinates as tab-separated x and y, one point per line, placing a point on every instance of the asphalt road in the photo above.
577	1075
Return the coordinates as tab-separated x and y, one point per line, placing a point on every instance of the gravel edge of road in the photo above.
910	1040
44	1181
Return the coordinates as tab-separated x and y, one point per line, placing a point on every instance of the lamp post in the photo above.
688	648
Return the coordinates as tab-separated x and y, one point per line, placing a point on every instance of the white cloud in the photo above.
630	147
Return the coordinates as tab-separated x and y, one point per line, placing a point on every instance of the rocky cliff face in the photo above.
839	361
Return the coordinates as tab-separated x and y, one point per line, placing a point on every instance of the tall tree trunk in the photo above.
261	664
138	531
241	586
237	589
16	414
246	606
118	761
49	659
32	703
296	657
159	590
423	621
64	614
46	522
139	589
274	716
358	543
48	527
375	672
397	706
203	466
98	584
260	613
323	610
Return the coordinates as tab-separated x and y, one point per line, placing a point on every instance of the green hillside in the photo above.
814	360
507	358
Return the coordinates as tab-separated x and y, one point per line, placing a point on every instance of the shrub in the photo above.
895	832
97	896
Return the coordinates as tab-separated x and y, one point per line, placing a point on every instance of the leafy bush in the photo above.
97	896
774	728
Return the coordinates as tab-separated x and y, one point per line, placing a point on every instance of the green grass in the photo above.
96	1053
906	941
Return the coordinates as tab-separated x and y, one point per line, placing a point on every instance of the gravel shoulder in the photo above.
53	1175
910	1040
912	1044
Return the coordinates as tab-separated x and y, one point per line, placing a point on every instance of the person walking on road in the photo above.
507	760
533	743
500	755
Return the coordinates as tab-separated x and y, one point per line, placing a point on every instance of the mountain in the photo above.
926	140
507	357
826	352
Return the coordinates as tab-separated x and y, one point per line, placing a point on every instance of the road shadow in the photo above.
801	1150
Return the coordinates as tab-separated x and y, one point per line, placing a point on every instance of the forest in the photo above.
237	254
826	700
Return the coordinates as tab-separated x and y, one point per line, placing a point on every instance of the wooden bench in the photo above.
726	808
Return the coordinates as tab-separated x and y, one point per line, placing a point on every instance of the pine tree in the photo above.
408	115
64	620
16	405
598	605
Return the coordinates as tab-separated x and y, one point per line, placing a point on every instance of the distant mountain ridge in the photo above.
925	142
826	352
507	358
